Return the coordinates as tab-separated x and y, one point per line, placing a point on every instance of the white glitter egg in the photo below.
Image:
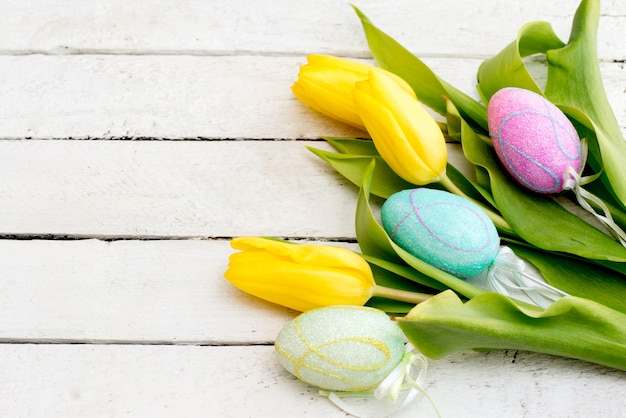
341	348
442	229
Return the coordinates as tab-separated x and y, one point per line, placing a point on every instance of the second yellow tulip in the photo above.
407	137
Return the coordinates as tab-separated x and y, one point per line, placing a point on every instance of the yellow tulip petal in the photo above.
400	83
420	128
307	254
326	82
391	142
302	290
329	61
300	276
329	101
404	133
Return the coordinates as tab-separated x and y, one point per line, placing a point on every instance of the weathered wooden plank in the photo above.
171	188
233	382
128	291
148	96
281	27
186	97
163	97
218	70
174	189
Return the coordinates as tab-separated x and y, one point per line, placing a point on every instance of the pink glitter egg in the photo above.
533	139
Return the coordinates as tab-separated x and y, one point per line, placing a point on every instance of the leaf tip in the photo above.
359	13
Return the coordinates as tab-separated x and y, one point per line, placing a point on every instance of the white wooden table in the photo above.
137	137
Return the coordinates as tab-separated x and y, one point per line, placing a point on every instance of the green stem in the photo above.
497	219
400	295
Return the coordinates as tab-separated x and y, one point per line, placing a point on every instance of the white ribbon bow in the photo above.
403	383
507	275
574	183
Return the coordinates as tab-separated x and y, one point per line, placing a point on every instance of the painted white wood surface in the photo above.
139	320
283	27
103	96
175	189
243	381
172	188
128	291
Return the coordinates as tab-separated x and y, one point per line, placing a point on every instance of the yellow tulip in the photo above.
325	84
404	133
305	276
299	276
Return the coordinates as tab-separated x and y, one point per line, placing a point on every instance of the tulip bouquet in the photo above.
574	304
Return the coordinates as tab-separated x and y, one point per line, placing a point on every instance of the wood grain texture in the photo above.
163	298
95	96
154	96
279	27
175	189
140	321
171	188
128	291
235	382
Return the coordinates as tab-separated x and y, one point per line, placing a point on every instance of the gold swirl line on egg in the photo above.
315	350
299	363
354	386
380	345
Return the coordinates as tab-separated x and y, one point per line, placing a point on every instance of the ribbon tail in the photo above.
398	389
419	363
508	276
585	199
341	404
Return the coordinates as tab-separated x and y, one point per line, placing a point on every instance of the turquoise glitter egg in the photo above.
442	229
341	348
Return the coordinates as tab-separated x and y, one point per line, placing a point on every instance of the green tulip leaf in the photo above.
353	146
508	69
578	277
387	278
361	148
390	306
453	121
469	187
612	265
370	235
384	181
586	129
570	327
403	270
429	88
574	81
476	189
536	218
458	285
395	276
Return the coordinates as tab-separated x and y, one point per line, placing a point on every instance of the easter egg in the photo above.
442	229
533	139
341	348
